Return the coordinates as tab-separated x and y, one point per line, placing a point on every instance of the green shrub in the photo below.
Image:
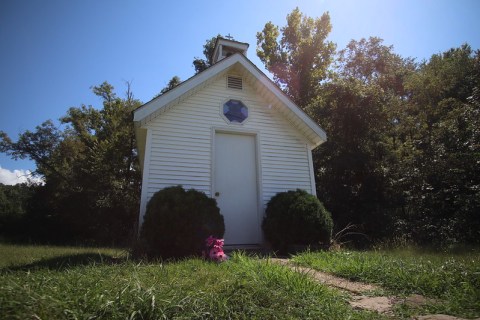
177	222
296	218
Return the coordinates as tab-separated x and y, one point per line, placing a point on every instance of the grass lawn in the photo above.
71	283
453	279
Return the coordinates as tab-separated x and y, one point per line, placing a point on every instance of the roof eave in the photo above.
141	113
144	112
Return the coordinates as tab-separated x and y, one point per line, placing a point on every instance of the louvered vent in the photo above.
234	82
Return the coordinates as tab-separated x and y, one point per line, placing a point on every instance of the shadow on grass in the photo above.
64	262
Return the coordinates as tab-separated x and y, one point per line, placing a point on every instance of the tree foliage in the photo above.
439	149
402	156
299	60
200	64
402	152
14	202
355	108
38	146
175	81
90	170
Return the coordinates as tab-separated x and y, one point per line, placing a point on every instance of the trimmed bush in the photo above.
177	222
296	218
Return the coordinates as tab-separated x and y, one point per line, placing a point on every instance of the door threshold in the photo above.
242	246
255	250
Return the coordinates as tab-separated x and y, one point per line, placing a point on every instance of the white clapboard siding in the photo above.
181	143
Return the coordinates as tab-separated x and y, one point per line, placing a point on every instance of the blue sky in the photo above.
53	51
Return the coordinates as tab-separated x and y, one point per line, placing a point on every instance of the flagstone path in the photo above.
360	299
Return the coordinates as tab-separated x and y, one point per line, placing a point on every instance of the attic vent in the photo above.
234	82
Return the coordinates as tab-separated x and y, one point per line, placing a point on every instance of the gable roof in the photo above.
277	98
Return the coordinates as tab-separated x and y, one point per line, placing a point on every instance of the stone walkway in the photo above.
328	279
358	291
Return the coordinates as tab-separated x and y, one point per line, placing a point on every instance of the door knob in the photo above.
217	194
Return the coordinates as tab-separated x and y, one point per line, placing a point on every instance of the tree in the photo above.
13	208
107	172
91	172
356	108
350	166
402	156
201	64
300	59
175	81
372	62
37	146
439	149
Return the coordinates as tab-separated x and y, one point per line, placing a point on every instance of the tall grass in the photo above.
119	288
452	279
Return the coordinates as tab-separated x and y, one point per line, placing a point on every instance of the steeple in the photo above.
226	47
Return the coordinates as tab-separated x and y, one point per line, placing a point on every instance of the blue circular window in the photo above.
235	111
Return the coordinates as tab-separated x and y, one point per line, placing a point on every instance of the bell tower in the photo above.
226	47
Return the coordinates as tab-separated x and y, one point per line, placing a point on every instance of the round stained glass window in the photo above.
235	111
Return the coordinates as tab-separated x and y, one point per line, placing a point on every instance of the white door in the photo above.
235	187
